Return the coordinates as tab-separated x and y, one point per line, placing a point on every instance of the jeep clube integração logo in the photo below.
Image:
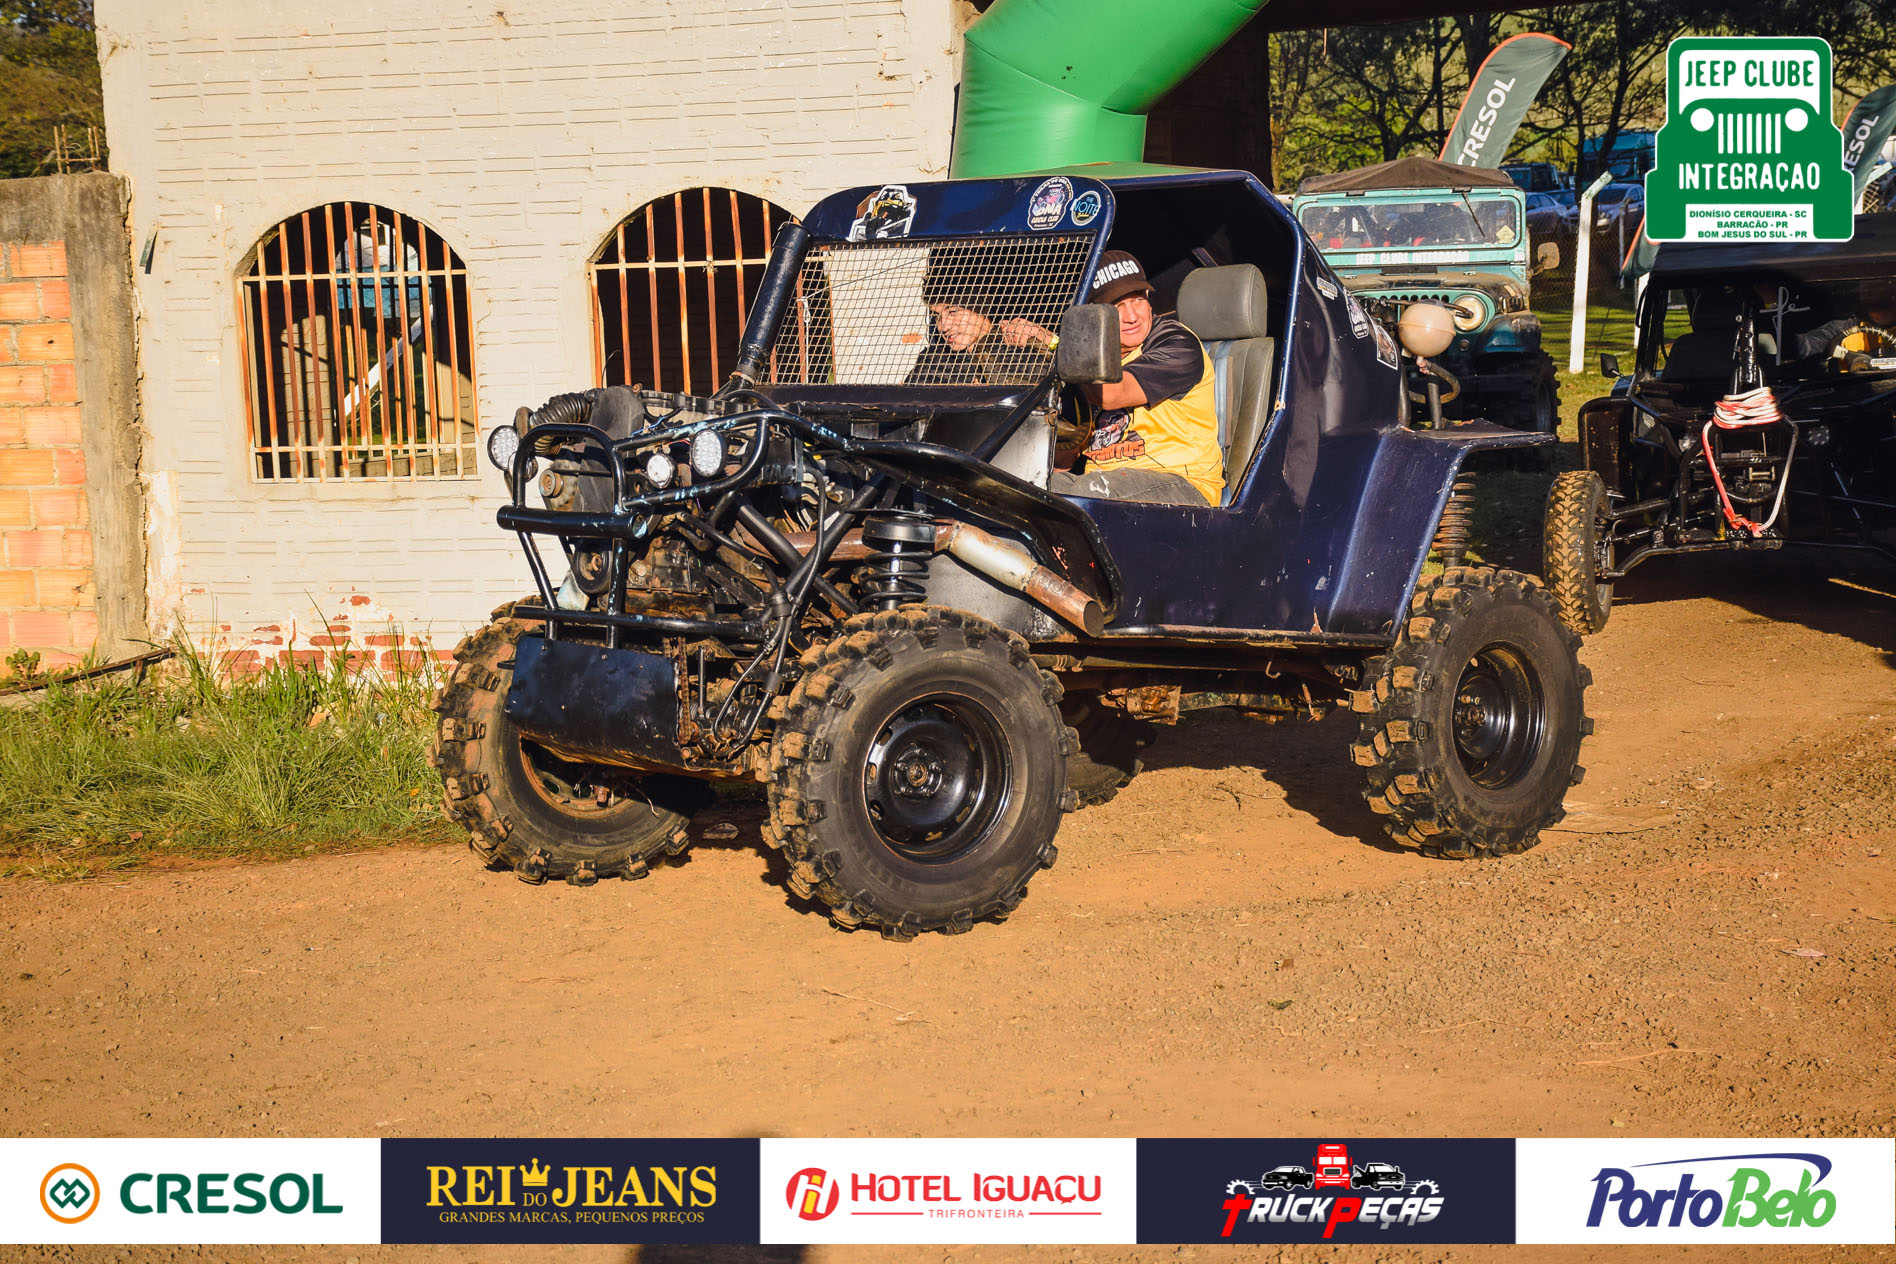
1732	1190
535	1193
1748	151
1294	1194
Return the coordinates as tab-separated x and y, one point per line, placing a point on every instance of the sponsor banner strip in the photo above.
966	1190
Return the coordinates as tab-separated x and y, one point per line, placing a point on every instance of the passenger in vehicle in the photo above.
1871	331
1155	431
965	347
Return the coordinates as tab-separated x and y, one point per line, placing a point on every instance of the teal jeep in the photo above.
1417	229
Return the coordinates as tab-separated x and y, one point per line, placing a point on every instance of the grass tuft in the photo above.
195	763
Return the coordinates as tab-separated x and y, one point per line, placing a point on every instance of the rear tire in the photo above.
1576	545
526	809
1109	745
1473	719
918	774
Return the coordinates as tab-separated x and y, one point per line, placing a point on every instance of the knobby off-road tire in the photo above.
1109	743
530	811
1472	720
918	772
1575	546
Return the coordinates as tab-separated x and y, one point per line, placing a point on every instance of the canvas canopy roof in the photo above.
1407	173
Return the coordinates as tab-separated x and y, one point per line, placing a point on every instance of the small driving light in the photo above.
660	469
707	453
503	444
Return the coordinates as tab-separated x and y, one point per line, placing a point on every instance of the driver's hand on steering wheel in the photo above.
1017	331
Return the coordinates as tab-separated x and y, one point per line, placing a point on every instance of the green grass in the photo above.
194	764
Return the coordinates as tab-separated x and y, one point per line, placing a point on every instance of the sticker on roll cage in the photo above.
888	212
1325	287
1359	319
1049	203
1385	344
1086	208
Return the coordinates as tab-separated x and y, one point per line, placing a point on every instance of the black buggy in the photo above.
1761	411
843	576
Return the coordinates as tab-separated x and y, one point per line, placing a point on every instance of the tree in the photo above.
49	75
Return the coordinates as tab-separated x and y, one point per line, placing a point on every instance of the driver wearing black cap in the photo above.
1155	432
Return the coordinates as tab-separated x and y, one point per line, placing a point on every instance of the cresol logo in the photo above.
1747	1200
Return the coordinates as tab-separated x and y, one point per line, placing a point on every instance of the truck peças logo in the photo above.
532	1192
1748	151
1747	1201
1274	1197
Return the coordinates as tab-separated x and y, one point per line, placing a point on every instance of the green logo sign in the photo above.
1748	151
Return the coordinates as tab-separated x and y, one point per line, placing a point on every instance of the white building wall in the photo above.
521	134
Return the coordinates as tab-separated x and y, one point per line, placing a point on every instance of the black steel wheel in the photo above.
529	810
1576	546
1472	721
918	773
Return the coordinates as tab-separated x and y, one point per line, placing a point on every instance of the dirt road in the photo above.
1229	948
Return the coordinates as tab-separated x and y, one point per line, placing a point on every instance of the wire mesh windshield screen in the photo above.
962	311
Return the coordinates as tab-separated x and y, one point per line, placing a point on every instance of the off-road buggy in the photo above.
1761	411
1419	230
843	576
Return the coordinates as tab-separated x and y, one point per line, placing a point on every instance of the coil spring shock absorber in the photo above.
1451	537
899	546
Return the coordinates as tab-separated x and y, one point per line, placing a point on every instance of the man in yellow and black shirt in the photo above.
1155	436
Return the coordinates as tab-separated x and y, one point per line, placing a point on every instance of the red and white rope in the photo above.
1741	412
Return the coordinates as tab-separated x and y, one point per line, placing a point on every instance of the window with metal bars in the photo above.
359	360
672	286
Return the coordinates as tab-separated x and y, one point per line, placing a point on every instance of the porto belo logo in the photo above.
1749	1198
1366	1193
812	1194
69	1193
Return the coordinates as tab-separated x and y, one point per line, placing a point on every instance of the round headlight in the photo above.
660	469
707	453
1469	313
503	444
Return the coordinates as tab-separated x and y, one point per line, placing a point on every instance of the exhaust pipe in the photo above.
1008	563
1000	560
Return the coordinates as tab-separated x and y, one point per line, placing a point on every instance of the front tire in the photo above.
526	809
1473	719
918	774
1576	546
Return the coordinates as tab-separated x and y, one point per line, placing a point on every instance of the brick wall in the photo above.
46	587
522	135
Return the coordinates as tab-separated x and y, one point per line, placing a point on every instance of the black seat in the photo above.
1228	309
1706	353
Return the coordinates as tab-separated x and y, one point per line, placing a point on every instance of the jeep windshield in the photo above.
955	285
1448	220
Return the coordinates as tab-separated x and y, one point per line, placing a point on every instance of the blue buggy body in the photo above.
844	576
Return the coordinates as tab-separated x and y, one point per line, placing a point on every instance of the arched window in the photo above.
359	362
673	284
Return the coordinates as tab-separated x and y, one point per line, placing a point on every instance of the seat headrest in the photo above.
1219	304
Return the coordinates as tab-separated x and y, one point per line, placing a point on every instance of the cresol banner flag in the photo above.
1498	97
1866	131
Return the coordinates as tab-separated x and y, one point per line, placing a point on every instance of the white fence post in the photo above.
1582	262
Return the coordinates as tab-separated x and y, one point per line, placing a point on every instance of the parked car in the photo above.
1547	217
1616	202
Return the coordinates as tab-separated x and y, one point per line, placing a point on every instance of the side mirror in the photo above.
1089	344
1546	257
1609	364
